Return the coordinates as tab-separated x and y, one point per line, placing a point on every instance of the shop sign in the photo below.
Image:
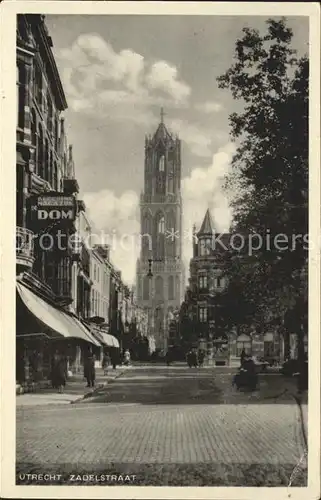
46	209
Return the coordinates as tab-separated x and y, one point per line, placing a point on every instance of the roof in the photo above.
162	133
207	226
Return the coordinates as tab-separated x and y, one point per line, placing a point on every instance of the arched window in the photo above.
40	152
171	288
159	288
160	176
161	225
171	234
159	236
170	177
146	285
161	164
147	233
178	287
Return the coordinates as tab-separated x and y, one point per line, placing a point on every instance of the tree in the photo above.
270	175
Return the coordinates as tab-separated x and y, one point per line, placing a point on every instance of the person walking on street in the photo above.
105	363
113	356
89	369
60	375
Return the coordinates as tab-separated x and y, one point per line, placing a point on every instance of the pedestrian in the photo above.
60	373
89	369
127	357
54	370
113	357
201	357
105	362
243	356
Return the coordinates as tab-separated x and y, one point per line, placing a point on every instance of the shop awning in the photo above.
54	321
105	338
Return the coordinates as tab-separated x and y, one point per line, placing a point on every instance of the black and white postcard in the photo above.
160	249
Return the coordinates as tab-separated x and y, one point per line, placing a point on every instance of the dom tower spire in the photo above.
161	291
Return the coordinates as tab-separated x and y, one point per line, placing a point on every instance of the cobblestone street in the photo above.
166	418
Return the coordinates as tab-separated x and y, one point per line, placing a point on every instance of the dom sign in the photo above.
55	214
52	207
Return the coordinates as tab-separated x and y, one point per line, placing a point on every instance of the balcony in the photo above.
24	247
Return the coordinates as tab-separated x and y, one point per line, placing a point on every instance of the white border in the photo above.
8	11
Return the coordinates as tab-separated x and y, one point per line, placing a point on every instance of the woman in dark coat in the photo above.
89	370
59	372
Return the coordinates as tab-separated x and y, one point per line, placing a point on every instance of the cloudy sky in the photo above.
117	72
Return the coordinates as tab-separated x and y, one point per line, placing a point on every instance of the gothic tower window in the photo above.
160	176
159	288
147	234
171	288
161	164
146	282
161	225
159	238
171	235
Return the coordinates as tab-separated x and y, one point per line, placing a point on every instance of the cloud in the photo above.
209	107
202	189
164	77
115	221
198	139
96	77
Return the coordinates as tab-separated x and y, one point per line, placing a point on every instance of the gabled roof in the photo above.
207	226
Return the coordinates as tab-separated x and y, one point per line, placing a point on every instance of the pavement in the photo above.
166	417
75	390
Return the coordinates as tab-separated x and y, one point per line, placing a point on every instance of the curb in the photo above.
303	429
98	390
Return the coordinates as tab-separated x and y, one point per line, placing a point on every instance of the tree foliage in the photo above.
270	175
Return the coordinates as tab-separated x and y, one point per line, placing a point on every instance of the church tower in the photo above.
160	291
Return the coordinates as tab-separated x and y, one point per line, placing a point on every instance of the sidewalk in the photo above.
75	389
